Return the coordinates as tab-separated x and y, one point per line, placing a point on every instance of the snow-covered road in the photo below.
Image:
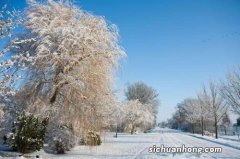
178	139
136	146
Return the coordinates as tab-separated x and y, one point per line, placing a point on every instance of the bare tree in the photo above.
216	104
230	90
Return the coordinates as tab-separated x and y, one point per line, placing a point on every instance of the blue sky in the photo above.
174	46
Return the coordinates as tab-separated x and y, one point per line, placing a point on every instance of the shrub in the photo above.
59	146
93	139
62	139
28	133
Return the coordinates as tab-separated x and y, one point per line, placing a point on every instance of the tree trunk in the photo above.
216	128
193	131
116	131
132	130
202	124
225	130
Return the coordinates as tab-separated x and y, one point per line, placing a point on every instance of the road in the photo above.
136	146
176	139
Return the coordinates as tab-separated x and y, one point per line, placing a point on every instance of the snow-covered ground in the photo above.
232	137
231	141
137	146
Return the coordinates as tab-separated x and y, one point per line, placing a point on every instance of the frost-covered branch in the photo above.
230	90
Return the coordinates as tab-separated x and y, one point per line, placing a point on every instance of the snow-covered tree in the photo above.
146	95
225	123
230	90
137	115
192	111
205	109
65	60
118	117
9	20
180	115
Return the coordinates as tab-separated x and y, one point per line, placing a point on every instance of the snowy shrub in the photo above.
62	139
59	146
93	139
1	113
28	133
9	140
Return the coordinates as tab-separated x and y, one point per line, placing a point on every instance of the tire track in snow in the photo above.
190	143
163	139
141	154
